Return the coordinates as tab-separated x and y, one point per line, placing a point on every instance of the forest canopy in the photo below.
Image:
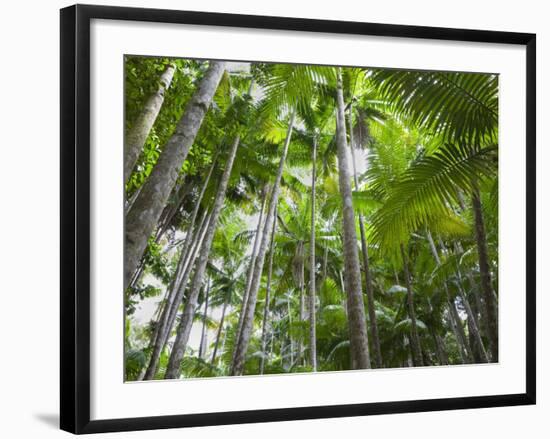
284	218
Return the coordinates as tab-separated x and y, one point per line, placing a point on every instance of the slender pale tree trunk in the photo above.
359	341
186	321
185	250
168	214
485	273
130	202
478	357
302	315
462	339
137	274
183	279
185	259
147	208
415	339
457	328
179	193
164	306
220	329
136	137
473	324
248	322
257	238
312	268
171	309
179	282
478	307
267	296
459	343
202	346
365	253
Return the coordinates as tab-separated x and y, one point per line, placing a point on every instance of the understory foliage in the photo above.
422	164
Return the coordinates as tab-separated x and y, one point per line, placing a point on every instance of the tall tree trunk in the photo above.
460	346
365	253
473	325
485	273
136	137
455	320
242	346
359	342
186	321
220	329
137	274
290	340
312	268
478	307
462	339
184	254
146	210
302	315
183	279
179	193
267	296
257	238
478	357
130	201
415	339
171	309
202	346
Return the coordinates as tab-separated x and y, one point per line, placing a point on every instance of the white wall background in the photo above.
29	249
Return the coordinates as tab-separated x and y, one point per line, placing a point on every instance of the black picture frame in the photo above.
75	217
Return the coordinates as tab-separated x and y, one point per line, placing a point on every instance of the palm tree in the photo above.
186	319
287	88
242	345
461	109
357	82
184	268
356	309
415	339
312	267
252	264
267	297
485	274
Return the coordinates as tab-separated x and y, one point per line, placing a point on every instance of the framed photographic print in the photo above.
268	218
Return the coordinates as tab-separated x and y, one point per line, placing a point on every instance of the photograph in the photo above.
293	218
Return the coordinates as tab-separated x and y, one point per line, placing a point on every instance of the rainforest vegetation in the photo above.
284	218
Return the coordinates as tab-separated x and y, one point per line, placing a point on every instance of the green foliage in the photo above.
428	187
142	76
460	107
423	142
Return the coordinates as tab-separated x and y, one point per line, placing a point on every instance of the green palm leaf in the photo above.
427	188
455	105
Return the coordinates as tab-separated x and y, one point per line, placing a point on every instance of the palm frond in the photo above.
427	189
457	105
